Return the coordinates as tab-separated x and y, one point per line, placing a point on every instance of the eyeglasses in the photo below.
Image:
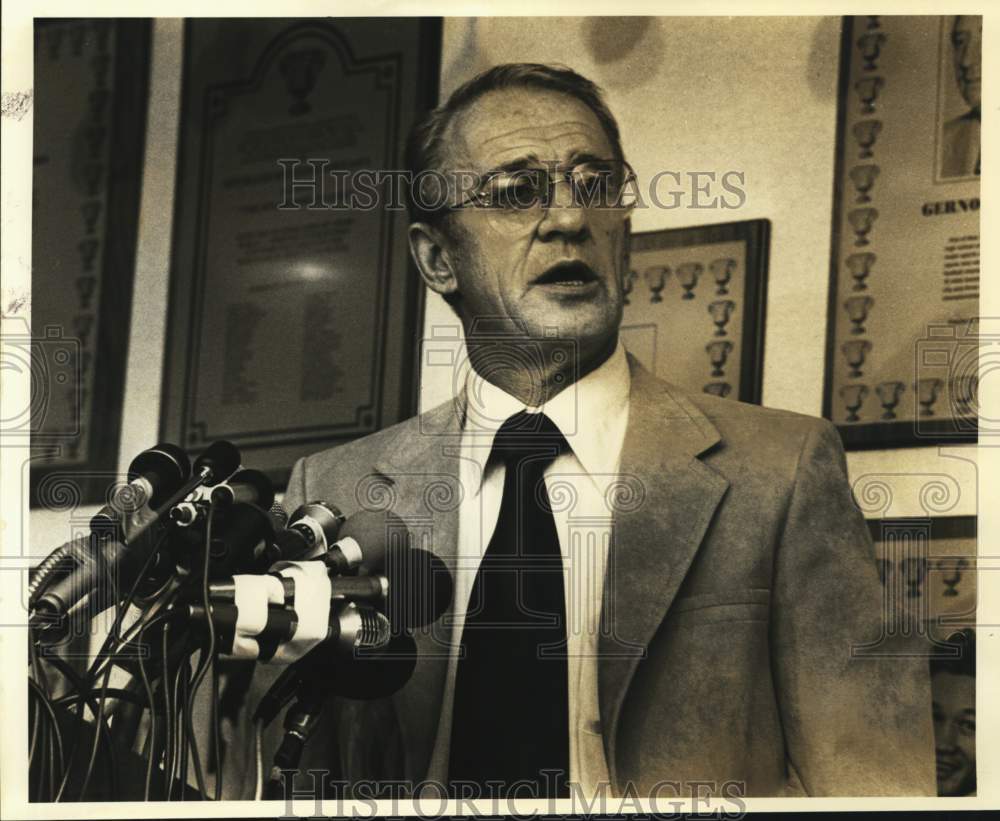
607	185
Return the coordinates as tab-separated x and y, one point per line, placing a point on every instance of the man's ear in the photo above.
433	261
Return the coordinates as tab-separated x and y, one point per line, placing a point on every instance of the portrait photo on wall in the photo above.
960	89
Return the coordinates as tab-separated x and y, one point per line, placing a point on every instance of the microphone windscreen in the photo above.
374	674
247	485
375	532
222	458
420	587
165	466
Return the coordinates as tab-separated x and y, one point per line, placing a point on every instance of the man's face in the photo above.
967	50
560	269
954	732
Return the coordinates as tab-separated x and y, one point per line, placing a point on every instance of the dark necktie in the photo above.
511	711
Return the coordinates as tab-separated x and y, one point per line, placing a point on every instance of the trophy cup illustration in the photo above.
854	397
720	389
688	274
300	70
870	44
85	286
857	308
927	394
888	395
718	352
951	582
656	278
866	132
628	284
91	210
721	310
914	572
964	390
722	272
860	266
862	220
854	351
88	251
863	177
868	89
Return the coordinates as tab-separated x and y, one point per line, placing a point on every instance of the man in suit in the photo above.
717	614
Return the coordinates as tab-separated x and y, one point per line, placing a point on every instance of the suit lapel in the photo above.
656	534
422	468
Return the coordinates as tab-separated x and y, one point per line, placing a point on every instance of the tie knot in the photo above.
529	435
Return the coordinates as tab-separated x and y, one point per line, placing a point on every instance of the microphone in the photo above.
320	675
246	486
219	460
350	629
311	530
100	565
420	587
363	676
154	475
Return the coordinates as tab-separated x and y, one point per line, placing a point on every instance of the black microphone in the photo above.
154	475
363	675
311	529
219	460
420	587
246	486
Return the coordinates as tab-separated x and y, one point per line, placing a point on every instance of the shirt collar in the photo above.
590	413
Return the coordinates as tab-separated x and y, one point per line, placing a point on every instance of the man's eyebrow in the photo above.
532	161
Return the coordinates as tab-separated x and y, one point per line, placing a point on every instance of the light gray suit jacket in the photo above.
742	599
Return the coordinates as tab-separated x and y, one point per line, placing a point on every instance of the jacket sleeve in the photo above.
855	702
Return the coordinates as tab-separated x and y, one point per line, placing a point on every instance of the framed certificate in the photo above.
902	346
293	321
694	312
91	85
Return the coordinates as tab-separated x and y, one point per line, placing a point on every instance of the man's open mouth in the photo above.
568	274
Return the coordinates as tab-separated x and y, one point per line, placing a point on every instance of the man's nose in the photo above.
564	217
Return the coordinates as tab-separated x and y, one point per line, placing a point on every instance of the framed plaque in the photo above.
91	86
902	347
293	319
694	312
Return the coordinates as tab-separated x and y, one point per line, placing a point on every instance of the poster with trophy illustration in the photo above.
902	340
695	300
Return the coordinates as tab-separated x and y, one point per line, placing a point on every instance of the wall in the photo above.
749	94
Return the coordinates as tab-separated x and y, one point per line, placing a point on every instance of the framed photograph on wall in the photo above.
90	93
902	358
293	314
695	304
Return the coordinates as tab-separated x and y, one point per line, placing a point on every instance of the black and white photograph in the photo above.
432	412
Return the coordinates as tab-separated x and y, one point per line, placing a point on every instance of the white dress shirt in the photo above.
592	415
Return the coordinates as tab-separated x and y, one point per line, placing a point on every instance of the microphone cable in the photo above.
113	639
207	658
